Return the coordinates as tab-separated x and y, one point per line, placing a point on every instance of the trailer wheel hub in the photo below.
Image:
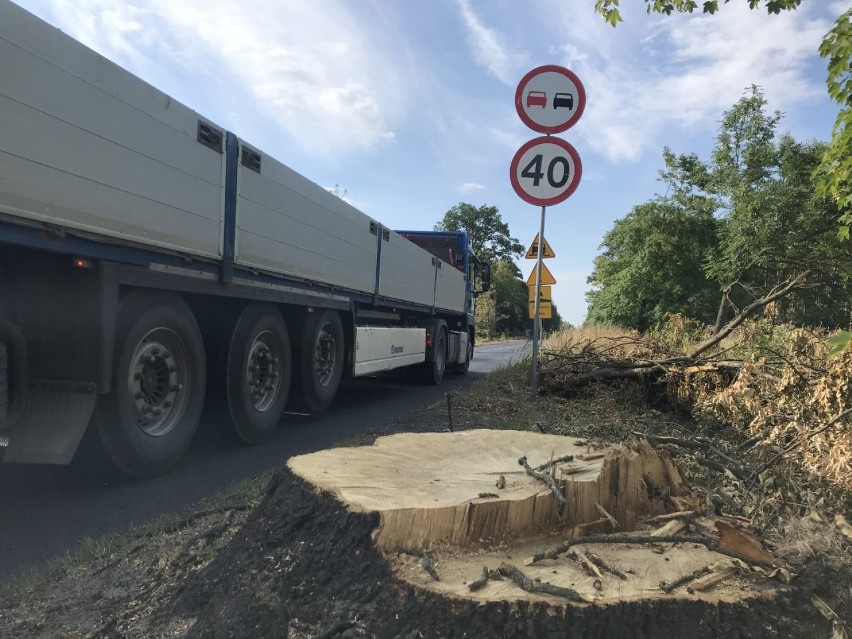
326	355
264	370
158	374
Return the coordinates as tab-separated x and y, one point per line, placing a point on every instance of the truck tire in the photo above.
145	424
319	361
257	372
432	373
461	369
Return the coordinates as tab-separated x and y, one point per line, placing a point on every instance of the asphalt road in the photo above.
47	510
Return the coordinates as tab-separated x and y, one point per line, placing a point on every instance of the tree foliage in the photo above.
834	172
732	228
609	8
773	225
505	311
487	233
652	264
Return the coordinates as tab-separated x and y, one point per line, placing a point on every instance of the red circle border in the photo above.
570	150
581	99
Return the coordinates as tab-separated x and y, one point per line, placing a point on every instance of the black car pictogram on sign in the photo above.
563	100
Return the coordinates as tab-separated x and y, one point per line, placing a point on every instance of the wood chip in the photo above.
743	543
680	514
588	567
589	456
570	470
603	512
671	528
845	526
715	578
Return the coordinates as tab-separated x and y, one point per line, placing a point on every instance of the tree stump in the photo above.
442	488
406	538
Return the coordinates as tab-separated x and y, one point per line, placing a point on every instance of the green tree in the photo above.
834	172
510	297
773	225
487	233
486	316
733	227
652	264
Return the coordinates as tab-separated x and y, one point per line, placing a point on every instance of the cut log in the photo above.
423	485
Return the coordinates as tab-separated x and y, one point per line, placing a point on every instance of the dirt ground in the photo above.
295	563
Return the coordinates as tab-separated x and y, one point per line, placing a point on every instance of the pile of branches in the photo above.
775	386
594	362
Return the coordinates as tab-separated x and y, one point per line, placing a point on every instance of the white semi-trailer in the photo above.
150	259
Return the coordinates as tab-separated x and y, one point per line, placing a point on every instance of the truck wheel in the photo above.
461	369
319	362
258	372
146	423
433	372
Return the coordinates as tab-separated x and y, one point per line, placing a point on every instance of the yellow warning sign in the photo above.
545	310
546	277
545	294
532	251
545	303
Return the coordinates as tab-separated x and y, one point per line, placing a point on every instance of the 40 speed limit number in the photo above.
546	171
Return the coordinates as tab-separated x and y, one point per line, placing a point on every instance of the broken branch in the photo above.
538	586
480	583
600	563
548	480
622	538
671	585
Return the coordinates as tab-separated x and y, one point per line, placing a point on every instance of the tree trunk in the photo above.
722	315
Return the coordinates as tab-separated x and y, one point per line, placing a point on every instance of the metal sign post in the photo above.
536	320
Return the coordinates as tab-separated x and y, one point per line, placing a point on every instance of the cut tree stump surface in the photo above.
306	565
648	566
465	498
426	487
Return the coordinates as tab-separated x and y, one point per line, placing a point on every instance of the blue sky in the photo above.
409	105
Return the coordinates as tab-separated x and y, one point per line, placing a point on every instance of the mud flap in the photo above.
52	423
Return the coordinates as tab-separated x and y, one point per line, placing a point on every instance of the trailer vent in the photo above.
250	159
374	228
210	136
386	235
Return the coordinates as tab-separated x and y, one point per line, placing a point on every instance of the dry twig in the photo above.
548	480
538	586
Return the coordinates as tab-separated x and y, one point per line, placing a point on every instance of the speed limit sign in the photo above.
545	171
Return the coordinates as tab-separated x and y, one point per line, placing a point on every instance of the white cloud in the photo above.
701	65
490	50
315	70
470	187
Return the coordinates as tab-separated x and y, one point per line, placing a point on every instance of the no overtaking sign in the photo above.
550	99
